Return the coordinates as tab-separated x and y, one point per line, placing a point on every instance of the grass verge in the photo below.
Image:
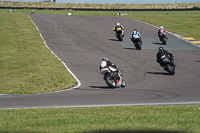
103	119
27	66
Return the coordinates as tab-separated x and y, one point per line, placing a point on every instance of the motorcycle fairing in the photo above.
162	32
104	70
119	31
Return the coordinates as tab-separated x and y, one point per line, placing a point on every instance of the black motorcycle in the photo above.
167	62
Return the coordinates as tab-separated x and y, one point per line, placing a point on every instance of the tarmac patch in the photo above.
155	43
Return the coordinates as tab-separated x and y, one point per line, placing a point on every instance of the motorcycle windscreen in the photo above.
112	68
165	60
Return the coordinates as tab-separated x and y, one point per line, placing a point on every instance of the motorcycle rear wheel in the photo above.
139	45
164	40
120	38
109	81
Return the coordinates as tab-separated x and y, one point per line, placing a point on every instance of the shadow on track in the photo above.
114	40
157	43
160	73
131	48
102	87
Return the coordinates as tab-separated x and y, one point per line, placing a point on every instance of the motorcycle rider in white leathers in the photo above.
106	63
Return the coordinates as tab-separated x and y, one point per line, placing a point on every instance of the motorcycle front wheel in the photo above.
170	69
109	81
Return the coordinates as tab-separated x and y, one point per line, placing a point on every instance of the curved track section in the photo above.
81	42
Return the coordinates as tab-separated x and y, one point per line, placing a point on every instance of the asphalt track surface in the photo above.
81	42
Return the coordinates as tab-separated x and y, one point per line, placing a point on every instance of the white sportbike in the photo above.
112	77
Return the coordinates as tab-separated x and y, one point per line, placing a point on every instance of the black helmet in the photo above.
104	59
160	48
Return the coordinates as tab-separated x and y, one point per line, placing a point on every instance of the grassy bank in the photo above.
102	119
27	66
99	6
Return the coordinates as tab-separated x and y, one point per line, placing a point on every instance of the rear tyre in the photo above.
139	45
170	69
120	37
164	40
109	81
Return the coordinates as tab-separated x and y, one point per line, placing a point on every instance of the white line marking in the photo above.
111	105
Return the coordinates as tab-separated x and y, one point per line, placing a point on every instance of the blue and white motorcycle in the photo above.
136	39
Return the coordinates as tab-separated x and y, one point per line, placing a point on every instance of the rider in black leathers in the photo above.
162	52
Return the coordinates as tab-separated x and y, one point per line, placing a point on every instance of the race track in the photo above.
81	42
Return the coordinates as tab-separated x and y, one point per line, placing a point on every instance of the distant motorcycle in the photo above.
112	77
119	34
163	37
168	64
137	41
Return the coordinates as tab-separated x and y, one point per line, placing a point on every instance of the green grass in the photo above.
27	66
102	119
